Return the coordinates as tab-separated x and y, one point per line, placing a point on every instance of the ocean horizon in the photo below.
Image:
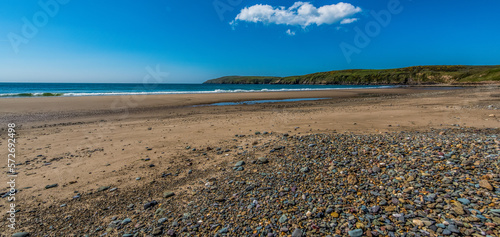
15	89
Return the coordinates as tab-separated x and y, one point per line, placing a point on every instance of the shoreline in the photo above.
59	109
93	105
158	93
139	89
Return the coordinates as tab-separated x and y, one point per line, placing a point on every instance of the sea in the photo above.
106	89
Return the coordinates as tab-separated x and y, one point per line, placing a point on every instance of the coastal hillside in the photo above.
416	75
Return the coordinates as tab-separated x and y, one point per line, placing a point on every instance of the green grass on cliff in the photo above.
415	75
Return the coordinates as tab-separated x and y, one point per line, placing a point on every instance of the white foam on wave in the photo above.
196	92
32	94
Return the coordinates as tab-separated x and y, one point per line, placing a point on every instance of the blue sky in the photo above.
196	40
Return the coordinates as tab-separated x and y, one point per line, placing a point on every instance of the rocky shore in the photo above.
442	182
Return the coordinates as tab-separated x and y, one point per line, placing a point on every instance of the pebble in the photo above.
297	233
464	201
239	163
21	234
485	184
304	169
283	219
150	204
356	233
168	194
453	229
418	222
157	231
263	160
103	188
126	221
47	187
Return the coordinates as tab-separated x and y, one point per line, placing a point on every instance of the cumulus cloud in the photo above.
348	20
300	14
289	32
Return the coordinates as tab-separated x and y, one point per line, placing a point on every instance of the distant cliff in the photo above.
416	75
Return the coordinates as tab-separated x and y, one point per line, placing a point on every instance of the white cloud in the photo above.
348	20
300	13
289	32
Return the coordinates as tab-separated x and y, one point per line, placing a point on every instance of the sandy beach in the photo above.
126	143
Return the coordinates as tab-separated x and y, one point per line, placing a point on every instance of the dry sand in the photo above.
82	143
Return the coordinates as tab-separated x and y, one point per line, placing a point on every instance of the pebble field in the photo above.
435	183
